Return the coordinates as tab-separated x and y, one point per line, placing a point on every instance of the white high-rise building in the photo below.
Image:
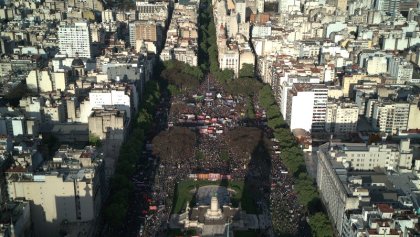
74	39
306	107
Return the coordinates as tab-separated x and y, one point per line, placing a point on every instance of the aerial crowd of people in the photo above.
220	153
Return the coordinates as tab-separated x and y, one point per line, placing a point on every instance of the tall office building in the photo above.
74	39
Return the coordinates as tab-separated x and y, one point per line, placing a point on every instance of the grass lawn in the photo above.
184	196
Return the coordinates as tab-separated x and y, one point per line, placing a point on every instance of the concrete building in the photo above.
392	7
340	4
122	96
108	123
181	39
377	64
18	126
230	60
288	5
54	112
306	107
388	116
341	117
414	116
351	80
32	107
62	192
46	81
261	31
336	197
155	11
145	31
344	189
400	69
74	39
108	16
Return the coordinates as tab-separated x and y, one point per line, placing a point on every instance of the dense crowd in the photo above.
285	209
267	178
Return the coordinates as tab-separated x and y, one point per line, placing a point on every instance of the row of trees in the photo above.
207	52
181	76
120	186
293	158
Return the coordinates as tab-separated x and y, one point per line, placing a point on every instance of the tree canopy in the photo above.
320	225
247	71
182	75
175	146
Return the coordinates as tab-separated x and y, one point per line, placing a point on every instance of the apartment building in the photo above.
63	191
46	81
340	4
145	31
181	40
334	194
122	96
388	116
400	69
414	116
229	59
341	117
110	125
108	122
306	106
349	81
156	10
232	36
355	200
74	39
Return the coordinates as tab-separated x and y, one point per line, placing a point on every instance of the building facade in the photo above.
75	39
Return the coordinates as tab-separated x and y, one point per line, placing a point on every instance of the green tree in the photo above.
305	189
273	111
247	71
266	97
320	225
224	76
